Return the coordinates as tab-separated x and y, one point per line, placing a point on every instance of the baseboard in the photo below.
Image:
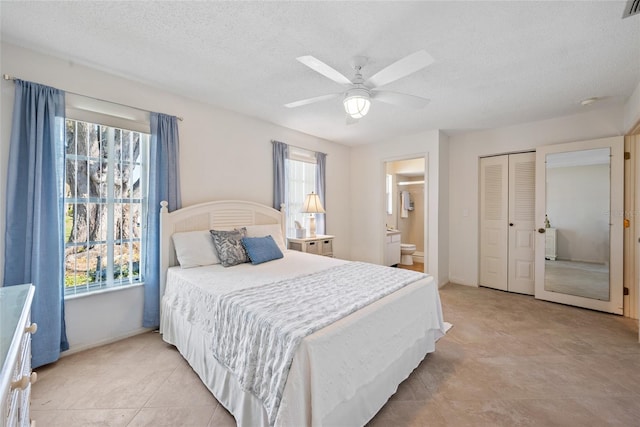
460	281
79	348
444	284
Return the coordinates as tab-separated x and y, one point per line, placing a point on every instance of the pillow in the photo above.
229	247
194	248
268	229
261	249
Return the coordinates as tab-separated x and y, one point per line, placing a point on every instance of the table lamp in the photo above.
312	206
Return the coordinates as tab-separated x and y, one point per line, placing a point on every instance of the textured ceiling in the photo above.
496	63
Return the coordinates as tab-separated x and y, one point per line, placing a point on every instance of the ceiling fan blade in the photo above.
311	100
322	68
399	69
401	99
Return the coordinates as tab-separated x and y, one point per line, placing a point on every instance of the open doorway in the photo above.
405	205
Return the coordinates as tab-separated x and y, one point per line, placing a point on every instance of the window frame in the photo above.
113	279
306	160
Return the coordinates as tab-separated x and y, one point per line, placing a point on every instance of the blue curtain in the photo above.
164	184
321	180
280	154
34	234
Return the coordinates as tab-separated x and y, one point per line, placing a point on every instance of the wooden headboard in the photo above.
219	215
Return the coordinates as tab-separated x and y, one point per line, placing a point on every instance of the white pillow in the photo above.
195	248
273	230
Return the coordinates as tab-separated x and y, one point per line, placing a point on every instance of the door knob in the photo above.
510	224
542	230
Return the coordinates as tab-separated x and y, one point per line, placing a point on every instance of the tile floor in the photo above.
509	360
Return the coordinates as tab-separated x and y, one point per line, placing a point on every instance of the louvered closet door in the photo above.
522	192
493	221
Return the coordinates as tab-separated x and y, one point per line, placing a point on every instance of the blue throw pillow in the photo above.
261	249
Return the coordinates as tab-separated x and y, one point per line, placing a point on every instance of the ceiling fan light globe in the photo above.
357	106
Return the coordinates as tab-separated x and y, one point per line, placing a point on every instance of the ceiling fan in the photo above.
360	92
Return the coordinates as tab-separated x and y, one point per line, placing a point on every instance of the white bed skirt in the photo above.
346	372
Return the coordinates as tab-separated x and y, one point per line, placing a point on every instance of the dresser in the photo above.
551	245
319	245
16	376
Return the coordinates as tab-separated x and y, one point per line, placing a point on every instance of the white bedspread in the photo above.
345	371
192	290
258	330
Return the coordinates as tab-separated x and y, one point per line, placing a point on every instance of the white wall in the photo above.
632	110
367	198
465	150
443	208
223	155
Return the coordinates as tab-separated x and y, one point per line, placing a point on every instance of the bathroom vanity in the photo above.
392	248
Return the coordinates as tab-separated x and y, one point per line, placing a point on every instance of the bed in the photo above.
342	373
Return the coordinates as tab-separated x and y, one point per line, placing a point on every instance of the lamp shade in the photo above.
357	103
312	204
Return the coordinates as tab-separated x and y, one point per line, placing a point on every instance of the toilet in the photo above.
406	250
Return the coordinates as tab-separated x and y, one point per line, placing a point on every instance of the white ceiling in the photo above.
496	63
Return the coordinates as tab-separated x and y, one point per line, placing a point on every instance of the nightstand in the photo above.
319	245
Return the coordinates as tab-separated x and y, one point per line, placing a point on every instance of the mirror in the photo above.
577	230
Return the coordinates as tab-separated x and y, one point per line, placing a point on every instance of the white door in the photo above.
494	192
521	255
579	187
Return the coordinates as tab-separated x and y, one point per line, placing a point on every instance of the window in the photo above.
301	180
105	183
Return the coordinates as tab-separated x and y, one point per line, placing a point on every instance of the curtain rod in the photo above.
8	77
302	148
